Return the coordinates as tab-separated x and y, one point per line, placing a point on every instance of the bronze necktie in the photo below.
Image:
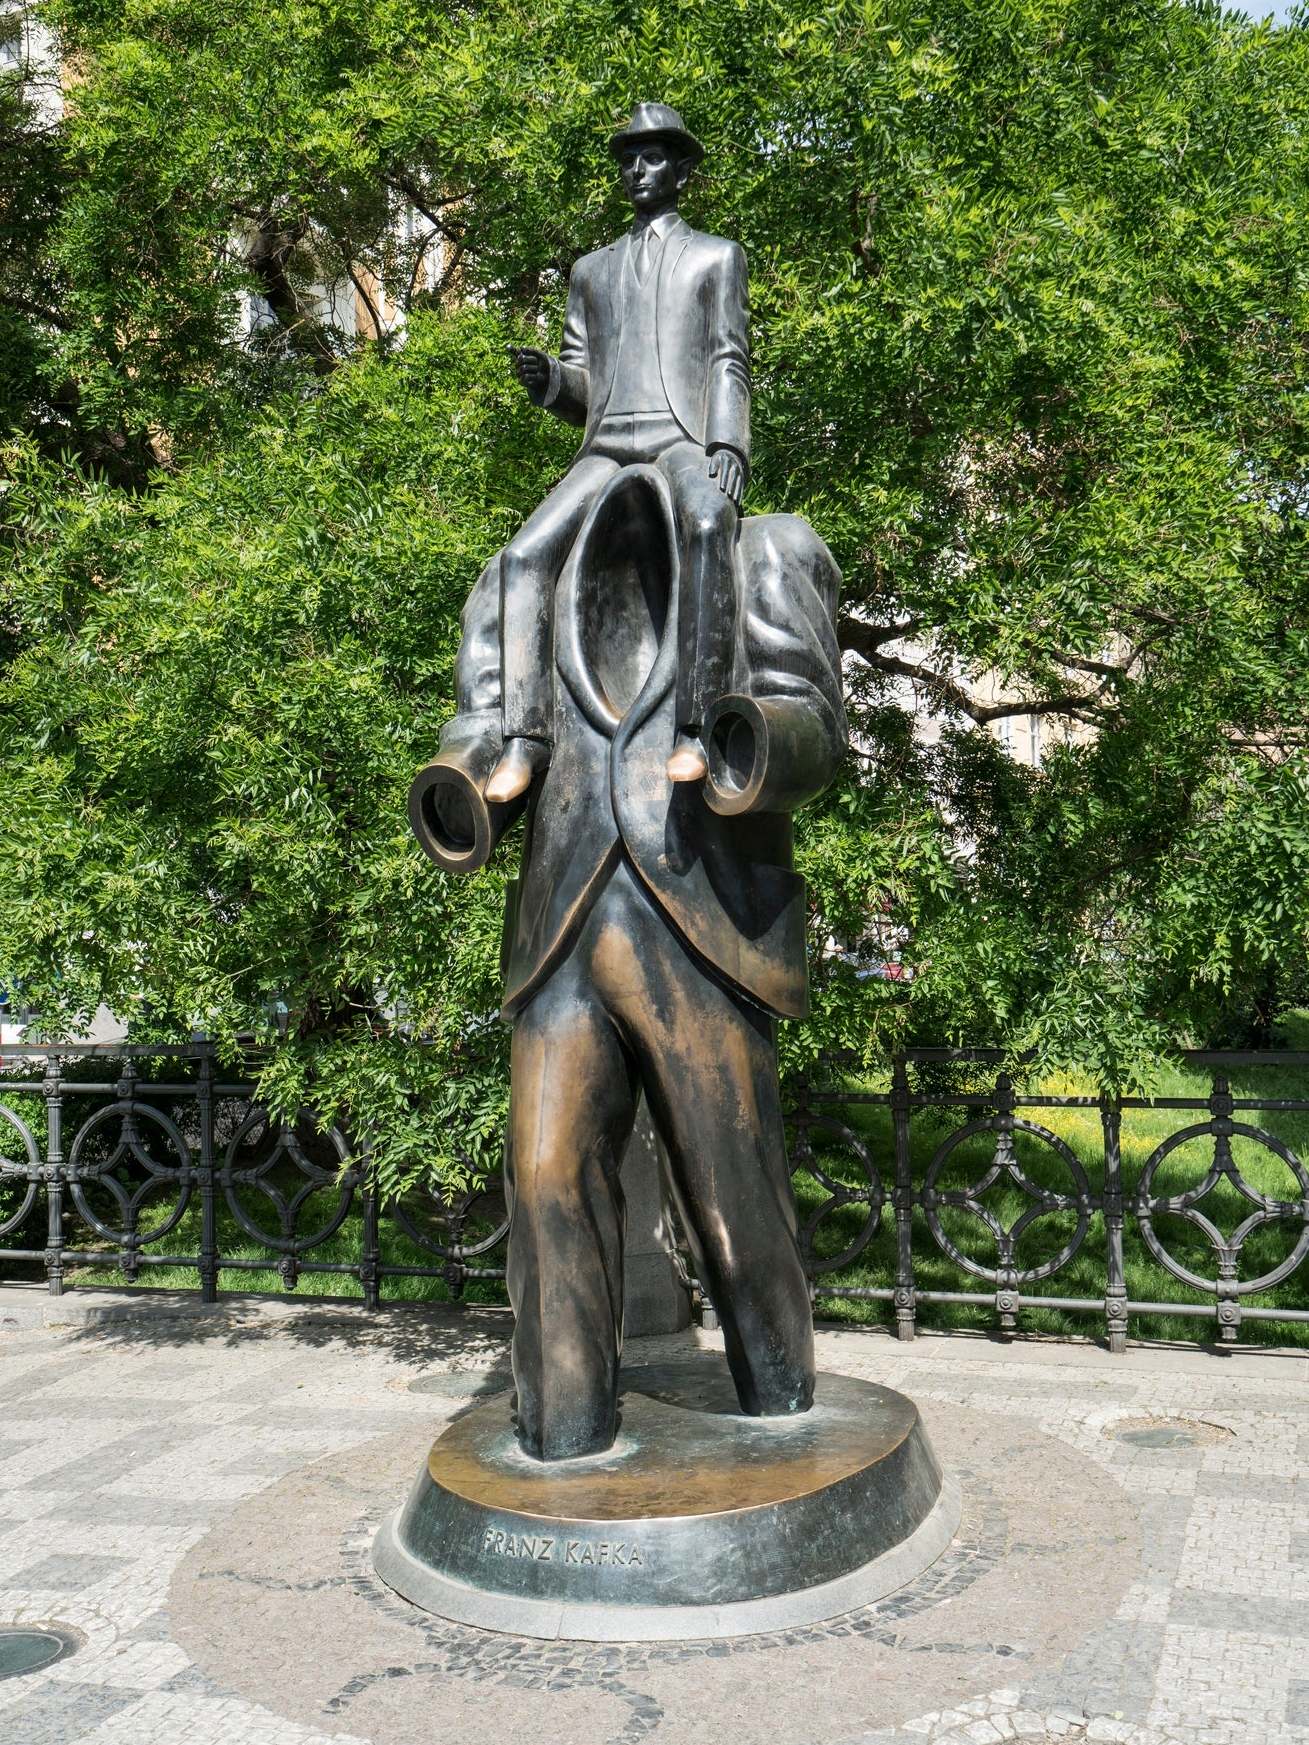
646	244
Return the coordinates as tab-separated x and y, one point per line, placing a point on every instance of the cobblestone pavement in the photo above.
193	1499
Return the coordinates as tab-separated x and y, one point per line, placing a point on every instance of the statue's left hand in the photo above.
726	465
532	368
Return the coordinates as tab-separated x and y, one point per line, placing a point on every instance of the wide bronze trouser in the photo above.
631	1007
531	562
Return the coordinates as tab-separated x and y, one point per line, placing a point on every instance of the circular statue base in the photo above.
698	1522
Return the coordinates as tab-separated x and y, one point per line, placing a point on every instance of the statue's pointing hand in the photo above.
532	367
726	465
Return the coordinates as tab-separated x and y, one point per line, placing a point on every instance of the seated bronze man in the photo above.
655	364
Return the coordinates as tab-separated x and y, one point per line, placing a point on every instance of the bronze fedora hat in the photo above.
657	121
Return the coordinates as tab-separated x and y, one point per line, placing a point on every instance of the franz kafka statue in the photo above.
655	679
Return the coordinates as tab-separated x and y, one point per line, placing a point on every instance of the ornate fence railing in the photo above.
1054	1209
948	1187
180	1167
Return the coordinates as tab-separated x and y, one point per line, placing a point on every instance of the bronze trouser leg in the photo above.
706	616
708	1060
630	999
529	570
572	1104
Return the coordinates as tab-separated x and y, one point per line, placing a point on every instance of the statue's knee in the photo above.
712	518
521	552
546	1169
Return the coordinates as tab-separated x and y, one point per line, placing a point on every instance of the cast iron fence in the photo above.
945	1177
142	1156
935	1204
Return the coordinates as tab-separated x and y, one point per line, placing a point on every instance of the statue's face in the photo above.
652	174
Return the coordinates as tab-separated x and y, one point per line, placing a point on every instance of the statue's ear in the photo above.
684	168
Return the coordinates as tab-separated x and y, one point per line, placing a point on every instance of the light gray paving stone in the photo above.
33	1416
55	1714
41	1378
117	1509
1297	1703
1246	1485
1269	1615
64	1572
153	1627
191	1680
1113	1672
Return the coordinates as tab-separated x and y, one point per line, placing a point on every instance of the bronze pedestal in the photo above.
698	1522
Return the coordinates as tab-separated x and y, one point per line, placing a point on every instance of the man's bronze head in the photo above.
656	154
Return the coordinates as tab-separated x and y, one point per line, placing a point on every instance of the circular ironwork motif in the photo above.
29	1170
869	1193
131	1149
457	1227
1227	1248
1005	1163
288	1178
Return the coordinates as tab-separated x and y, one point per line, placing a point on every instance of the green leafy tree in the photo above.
1031	318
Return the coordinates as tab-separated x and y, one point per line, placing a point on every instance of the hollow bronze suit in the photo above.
655	933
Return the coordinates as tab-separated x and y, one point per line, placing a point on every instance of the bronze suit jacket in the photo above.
725	883
703	330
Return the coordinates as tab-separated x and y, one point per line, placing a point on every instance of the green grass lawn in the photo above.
1084	1276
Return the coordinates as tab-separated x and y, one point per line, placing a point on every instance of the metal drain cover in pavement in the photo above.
1161	1436
1168	1433
28	1650
462	1384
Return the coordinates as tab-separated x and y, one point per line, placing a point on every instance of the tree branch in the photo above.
35	311
268	258
1080	663
873	635
374	313
422	202
863	212
420	258
865	640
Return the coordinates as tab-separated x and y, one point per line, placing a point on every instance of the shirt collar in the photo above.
661	225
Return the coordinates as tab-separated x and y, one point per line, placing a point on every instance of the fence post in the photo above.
1115	1300
1229	1301
370	1260
903	1202
129	1253
1006	1294
52	1087
204	1097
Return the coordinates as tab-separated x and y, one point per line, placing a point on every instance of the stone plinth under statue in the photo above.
698	1522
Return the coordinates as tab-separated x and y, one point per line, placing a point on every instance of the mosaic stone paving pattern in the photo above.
191	1502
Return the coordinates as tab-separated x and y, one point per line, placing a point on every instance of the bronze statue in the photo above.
656	681
655	364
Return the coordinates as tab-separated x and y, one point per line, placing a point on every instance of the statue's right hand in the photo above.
532	368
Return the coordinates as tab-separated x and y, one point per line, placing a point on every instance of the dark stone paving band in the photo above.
699	1522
